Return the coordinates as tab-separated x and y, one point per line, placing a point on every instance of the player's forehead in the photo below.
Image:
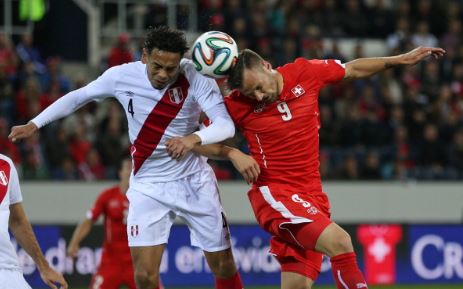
164	58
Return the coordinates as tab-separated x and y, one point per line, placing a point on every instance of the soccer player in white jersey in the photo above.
12	216
162	96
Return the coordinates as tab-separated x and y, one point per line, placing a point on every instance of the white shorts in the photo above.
195	199
10	279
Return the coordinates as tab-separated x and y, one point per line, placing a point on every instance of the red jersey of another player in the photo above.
113	204
283	136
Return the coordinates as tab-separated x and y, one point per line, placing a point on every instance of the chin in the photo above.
157	86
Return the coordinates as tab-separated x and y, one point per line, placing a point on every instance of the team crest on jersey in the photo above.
134	230
176	95
3	178
298	90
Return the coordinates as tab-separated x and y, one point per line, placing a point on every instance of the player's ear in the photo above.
267	65
144	56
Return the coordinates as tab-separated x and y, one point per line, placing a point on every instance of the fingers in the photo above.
13	135
64	284
175	149
72	254
51	284
251	173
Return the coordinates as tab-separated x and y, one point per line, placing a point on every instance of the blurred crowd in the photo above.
406	123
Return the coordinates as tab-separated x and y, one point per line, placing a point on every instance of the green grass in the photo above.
433	286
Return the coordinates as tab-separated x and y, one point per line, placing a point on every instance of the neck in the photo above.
280	82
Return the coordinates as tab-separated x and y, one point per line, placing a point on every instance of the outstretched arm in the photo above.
22	230
365	67
98	89
243	163
81	231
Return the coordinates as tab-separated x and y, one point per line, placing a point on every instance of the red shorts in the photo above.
112	274
280	211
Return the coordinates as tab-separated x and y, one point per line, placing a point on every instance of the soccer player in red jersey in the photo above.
116	267
277	112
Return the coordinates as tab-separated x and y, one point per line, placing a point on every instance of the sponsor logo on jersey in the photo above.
3	178
129	93
298	90
176	95
134	230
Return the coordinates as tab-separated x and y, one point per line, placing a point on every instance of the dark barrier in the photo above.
389	254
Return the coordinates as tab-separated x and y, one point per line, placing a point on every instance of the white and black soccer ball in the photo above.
214	53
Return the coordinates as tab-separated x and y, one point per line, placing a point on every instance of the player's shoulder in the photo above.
238	104
6	161
234	97
131	68
109	191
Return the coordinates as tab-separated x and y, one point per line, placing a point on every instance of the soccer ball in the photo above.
214	53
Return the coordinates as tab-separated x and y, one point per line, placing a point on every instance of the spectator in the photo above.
455	153
422	36
28	53
8	58
371	169
120	53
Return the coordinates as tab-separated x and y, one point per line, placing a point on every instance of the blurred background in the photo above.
391	146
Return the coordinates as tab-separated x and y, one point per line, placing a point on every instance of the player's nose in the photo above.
163	75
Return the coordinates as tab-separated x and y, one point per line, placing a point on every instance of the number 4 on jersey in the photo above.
130	108
284	109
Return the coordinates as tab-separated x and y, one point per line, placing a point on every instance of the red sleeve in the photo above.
326	71
98	207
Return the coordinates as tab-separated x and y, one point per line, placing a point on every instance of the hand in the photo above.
52	277
177	147
245	165
22	131
72	250
416	55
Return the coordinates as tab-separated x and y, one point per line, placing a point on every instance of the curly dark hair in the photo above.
247	59
166	39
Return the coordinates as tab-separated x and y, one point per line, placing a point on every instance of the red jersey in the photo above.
379	247
283	136
113	204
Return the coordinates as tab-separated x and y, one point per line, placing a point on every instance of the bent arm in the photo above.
221	127
62	107
81	231
243	163
215	151
366	67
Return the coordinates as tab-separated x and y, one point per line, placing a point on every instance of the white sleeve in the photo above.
207	94
98	89
221	127
15	190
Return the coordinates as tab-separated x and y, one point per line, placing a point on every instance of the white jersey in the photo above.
10	193
155	116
